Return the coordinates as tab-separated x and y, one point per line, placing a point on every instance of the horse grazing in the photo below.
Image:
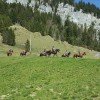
9	53
54	52
66	54
79	55
23	53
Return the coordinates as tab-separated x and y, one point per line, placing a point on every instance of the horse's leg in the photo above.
62	55
48	55
11	53
74	56
54	55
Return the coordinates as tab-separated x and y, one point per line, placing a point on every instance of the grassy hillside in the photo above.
36	78
39	43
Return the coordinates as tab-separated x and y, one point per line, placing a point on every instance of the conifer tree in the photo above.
8	37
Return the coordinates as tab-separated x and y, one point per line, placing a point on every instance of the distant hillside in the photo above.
39	43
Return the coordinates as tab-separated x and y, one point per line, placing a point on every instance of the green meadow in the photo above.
49	78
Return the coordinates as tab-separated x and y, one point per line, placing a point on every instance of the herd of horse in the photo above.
66	54
49	53
10	52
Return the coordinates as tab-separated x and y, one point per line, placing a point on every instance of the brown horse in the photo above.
54	52
79	55
23	53
66	55
9	53
43	54
49	52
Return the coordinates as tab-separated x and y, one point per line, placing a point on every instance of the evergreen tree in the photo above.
5	22
8	37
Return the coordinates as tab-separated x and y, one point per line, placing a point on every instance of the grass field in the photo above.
49	78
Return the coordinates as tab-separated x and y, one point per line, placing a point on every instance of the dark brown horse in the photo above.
49	52
66	54
9	53
79	55
23	53
54	52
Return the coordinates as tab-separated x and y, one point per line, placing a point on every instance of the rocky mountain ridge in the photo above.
64	11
